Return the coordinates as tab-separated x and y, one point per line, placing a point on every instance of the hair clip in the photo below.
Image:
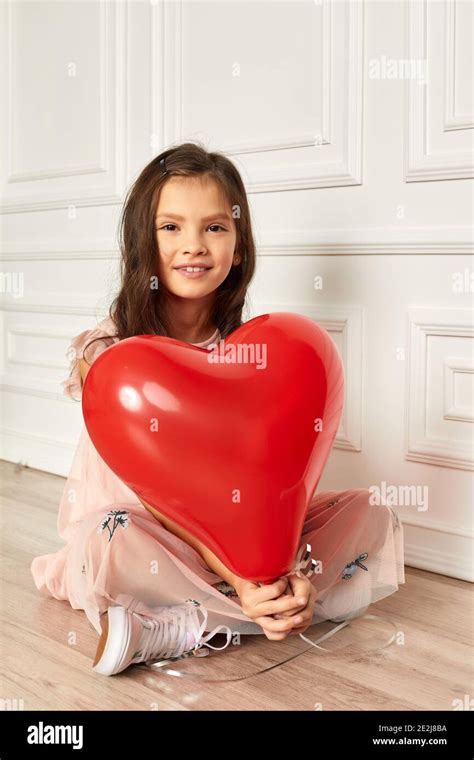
163	165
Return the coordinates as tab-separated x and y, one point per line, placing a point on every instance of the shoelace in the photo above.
167	634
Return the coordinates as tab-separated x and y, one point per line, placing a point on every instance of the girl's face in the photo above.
195	228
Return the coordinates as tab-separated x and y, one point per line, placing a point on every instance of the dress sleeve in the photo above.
81	347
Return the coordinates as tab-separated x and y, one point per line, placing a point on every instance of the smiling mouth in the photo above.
193	269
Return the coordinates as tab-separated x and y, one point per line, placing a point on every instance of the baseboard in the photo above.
457	565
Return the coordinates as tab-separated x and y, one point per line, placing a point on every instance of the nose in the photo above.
194	246
195	250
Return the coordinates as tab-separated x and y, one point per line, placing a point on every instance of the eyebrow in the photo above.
218	215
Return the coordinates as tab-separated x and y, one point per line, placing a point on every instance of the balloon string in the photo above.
161	666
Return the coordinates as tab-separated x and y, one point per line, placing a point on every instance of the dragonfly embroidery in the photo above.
351	567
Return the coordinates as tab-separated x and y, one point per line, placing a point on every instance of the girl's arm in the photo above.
83	369
209	557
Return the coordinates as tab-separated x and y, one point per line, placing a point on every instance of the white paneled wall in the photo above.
352	125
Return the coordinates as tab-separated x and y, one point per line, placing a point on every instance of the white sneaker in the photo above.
130	637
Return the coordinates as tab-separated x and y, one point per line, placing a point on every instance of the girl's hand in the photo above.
300	587
260	603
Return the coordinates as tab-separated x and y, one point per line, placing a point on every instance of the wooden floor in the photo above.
47	648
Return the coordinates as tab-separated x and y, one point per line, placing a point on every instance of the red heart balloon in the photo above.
230	443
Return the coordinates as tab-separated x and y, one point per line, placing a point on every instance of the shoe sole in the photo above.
114	651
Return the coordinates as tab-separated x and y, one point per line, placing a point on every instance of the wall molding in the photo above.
303	140
32	332
452	119
419	446
439	526
22	388
30	436
109	176
421	164
453	366
60	171
344	169
37	451
454	565
80	306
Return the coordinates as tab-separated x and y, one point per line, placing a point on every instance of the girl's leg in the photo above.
359	550
124	556
211	560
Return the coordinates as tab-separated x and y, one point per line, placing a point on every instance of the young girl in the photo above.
141	579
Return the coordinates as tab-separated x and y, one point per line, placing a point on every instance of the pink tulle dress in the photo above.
117	553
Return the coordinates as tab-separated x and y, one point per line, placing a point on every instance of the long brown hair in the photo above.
138	308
